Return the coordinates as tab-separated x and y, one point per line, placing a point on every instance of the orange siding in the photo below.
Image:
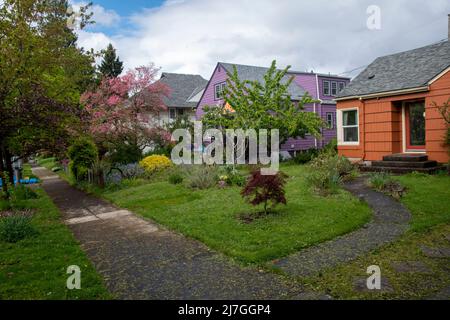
381	127
435	125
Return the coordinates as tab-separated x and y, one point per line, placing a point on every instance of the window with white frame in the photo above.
330	120
172	113
341	86
326	88
218	90
334	88
350	126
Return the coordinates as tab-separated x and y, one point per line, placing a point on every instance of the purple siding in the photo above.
328	134
308	81
336	79
208	99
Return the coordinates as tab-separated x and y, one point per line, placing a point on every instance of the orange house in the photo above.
389	108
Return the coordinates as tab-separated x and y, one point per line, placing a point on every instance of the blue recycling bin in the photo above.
23	181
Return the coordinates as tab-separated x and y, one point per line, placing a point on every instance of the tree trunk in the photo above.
9	166
2	174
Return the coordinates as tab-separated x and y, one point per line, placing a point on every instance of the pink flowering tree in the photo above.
124	111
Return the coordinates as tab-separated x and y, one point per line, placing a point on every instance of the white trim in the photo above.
340	128
403	127
439	75
170	113
318	98
329	88
332	120
386	94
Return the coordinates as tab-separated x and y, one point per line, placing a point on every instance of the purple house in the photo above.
320	86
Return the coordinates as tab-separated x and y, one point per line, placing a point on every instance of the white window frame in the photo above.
218	90
340	127
328	115
335	84
329	88
341	86
174	113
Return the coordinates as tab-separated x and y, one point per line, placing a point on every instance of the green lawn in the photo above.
211	216
428	199
35	268
48	163
339	282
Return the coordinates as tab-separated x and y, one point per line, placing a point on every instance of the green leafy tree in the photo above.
41	78
265	105
111	66
82	154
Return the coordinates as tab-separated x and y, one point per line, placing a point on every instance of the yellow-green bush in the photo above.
155	163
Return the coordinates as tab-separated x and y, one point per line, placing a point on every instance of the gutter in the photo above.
386	94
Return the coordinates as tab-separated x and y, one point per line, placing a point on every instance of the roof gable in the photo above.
252	73
183	87
401	71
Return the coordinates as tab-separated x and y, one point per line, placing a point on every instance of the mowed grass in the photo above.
212	216
339	281
35	268
428	199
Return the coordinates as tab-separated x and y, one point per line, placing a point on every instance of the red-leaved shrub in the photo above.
261	189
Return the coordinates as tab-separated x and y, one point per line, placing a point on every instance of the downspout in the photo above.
317	90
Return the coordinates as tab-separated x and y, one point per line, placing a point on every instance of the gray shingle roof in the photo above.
253	73
183	87
405	70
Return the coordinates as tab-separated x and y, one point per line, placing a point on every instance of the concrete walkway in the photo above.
390	221
140	260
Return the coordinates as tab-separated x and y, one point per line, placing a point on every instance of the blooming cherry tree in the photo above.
124	110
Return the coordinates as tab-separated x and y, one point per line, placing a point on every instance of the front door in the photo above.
415	125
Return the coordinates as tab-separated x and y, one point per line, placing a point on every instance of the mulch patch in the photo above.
250	217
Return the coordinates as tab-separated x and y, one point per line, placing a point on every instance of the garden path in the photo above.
390	221
141	260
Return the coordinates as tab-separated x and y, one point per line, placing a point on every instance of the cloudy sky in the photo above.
191	36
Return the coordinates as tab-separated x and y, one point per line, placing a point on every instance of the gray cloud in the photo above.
326	36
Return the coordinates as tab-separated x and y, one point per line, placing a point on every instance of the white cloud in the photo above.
95	40
105	17
327	36
101	16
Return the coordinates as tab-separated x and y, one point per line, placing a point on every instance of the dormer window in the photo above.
334	88
341	86
326	88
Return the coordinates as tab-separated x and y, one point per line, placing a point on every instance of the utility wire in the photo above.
411	30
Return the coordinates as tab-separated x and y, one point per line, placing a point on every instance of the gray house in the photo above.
186	91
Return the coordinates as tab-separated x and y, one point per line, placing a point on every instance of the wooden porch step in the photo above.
406	157
405	164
